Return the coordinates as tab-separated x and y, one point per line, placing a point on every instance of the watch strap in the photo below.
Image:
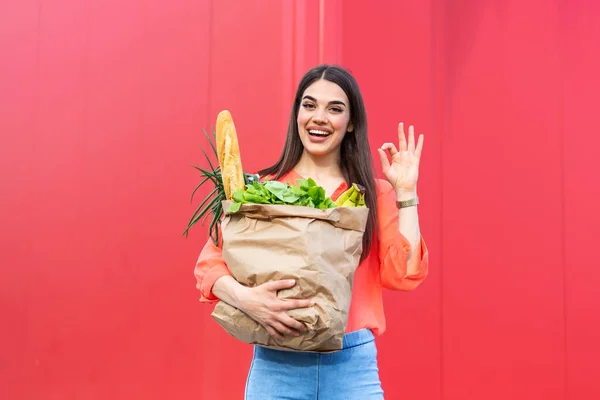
408	203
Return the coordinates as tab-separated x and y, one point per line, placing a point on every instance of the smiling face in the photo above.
323	118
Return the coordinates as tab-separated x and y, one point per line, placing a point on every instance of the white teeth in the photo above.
318	132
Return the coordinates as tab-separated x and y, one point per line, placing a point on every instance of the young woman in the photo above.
327	141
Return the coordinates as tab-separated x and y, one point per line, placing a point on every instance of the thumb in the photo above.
278	285
385	163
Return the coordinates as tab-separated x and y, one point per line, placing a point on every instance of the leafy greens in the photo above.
307	193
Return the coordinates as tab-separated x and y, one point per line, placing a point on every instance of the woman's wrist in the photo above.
229	290
403	195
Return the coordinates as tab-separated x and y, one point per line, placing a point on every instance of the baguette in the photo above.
228	152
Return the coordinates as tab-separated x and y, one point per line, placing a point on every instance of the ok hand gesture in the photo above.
403	171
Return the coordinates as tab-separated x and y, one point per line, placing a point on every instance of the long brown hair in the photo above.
355	153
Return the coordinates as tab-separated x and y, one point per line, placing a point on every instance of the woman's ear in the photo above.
350	127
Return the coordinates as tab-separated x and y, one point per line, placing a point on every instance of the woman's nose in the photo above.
320	116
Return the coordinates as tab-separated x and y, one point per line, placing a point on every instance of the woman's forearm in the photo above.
408	223
228	290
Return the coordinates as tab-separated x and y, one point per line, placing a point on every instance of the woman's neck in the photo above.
326	167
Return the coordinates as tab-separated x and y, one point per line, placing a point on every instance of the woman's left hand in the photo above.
403	172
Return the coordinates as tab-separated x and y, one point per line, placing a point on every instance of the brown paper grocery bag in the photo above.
320	249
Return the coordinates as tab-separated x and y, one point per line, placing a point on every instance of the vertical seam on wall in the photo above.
210	60
560	38
294	33
321	29
142	76
85	77
203	364
437	126
340	32
299	39
38	73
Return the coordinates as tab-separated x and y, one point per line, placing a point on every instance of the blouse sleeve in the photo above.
209	267
394	248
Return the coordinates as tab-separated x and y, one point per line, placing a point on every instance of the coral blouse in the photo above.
384	267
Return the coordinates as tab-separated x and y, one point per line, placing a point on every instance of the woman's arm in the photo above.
408	225
260	303
403	254
208	269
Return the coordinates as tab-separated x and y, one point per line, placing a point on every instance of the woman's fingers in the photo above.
401	137
391	147
292	304
274	286
284	330
273	332
411	138
419	149
385	163
273	315
292	323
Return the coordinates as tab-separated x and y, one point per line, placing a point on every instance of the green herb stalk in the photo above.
212	204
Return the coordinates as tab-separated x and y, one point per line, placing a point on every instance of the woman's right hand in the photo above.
262	304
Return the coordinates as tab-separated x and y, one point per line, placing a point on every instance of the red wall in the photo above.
101	112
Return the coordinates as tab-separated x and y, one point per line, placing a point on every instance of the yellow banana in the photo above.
361	200
353	197
347	203
344	196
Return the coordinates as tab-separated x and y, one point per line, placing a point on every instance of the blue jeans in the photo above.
347	374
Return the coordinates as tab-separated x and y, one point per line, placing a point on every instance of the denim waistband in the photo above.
357	338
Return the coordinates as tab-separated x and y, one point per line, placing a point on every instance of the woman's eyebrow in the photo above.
331	102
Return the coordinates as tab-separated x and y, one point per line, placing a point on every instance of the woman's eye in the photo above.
337	110
308	105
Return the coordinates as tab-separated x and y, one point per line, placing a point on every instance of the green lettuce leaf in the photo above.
307	193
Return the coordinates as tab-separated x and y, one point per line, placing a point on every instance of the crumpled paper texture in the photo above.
320	249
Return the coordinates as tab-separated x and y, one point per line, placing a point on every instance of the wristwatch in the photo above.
407	203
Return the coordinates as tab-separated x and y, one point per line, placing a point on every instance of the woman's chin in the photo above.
317	150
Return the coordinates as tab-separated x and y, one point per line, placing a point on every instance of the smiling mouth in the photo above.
319	133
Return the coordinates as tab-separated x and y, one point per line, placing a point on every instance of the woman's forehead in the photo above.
326	91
